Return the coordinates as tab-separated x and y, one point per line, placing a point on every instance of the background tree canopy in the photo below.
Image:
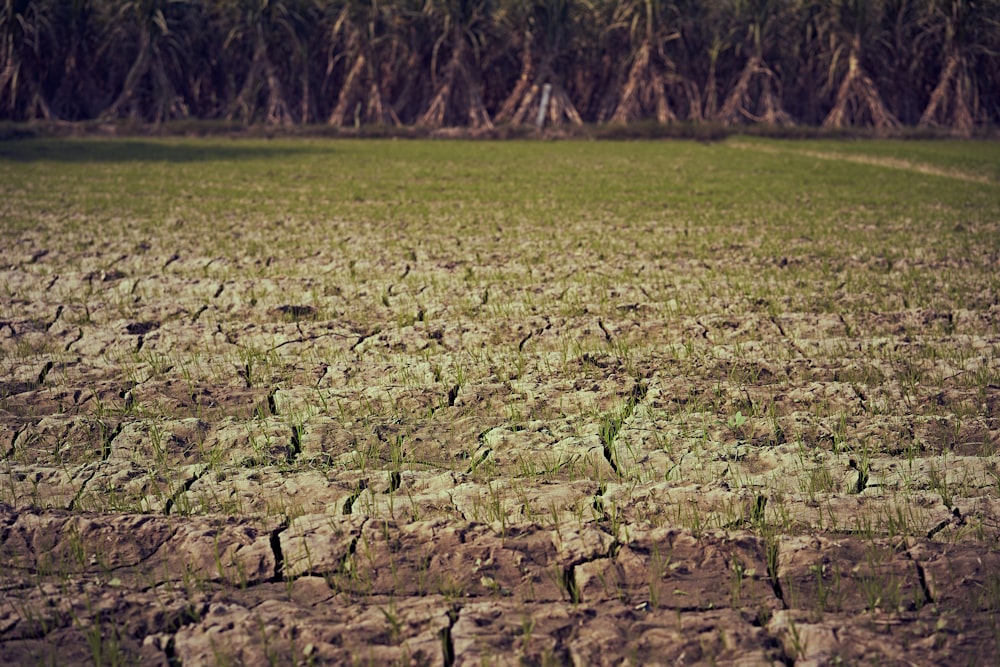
473	63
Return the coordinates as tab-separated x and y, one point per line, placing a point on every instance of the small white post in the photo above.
543	107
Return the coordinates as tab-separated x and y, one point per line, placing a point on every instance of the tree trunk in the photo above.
952	103
278	112
261	71
361	91
858	99
763	107
305	92
457	94
37	106
9	77
168	103
413	91
644	89
521	106
523	85
135	74
710	108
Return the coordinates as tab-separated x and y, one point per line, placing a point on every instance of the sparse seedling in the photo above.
246	372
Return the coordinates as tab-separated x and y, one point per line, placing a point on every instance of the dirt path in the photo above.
874	160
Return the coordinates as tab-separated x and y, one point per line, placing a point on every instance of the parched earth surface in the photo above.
592	441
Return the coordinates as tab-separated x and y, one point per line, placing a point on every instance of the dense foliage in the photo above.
474	63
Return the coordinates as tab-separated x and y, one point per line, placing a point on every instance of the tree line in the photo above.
481	63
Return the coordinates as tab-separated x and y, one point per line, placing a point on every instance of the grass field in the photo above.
445	402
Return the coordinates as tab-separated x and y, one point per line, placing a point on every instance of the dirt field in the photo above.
456	403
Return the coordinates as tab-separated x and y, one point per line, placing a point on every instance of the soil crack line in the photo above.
184	488
598	503
309	339
773	573
779	651
569	581
279	557
957	518
79	492
609	455
108	439
170	652
51	323
862	397
922	578
395	481
607	334
42	374
225	334
848	329
364	337
479	460
447	644
296	444
13	441
781	330
453	395
152	552
704	330
863	469
358	490
345	564
188	616
79	337
611	425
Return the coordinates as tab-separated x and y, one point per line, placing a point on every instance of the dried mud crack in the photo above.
447	642
483	408
44	373
279	557
182	490
348	506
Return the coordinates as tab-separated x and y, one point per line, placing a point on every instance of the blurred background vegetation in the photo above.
880	64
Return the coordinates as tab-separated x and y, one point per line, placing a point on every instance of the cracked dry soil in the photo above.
391	452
